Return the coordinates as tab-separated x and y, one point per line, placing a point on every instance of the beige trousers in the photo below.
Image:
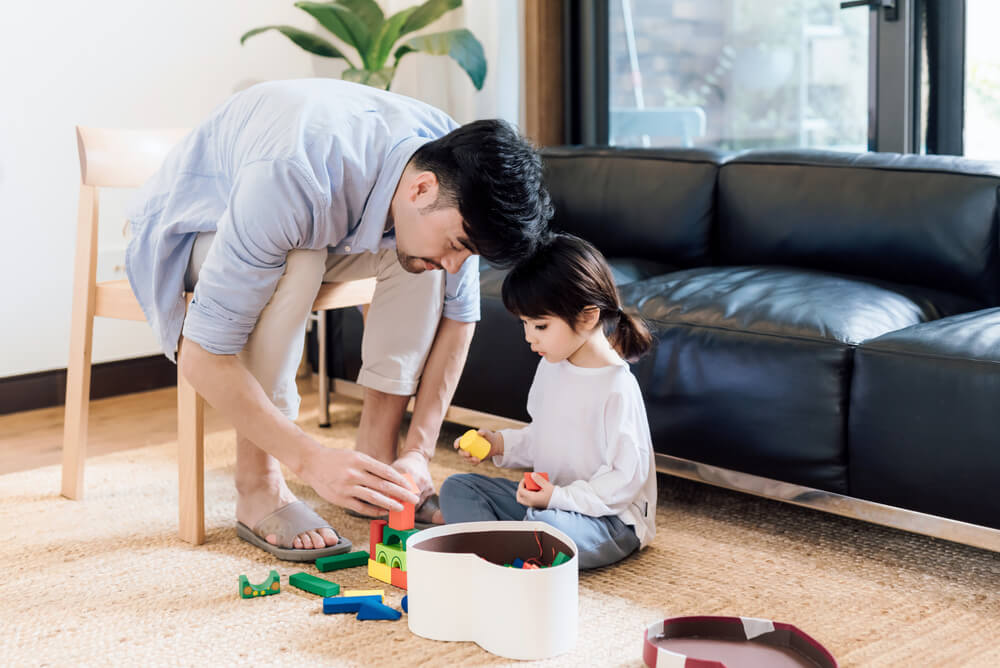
399	329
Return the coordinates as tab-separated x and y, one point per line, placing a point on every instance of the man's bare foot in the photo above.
437	517
258	499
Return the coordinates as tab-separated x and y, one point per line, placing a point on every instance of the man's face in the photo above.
427	238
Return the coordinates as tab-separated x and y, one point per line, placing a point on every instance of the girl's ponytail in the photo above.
630	337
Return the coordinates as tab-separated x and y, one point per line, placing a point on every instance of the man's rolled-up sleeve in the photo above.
461	292
270	212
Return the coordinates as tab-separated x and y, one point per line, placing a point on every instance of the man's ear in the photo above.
424	189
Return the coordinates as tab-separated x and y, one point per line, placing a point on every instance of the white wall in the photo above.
122	63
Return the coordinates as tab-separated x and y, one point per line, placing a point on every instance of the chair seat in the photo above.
114	299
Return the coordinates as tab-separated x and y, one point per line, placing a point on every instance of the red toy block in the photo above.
403	519
529	484
398	578
375	535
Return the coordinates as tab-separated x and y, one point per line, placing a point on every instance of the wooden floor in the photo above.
32	439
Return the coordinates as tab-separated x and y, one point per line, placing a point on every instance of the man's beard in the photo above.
414	265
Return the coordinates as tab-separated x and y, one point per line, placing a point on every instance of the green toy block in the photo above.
561	558
272	585
338	561
400	536
313	584
393	555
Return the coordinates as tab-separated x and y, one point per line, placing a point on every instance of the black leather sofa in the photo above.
823	319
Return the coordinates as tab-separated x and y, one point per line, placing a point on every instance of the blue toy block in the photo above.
518	563
378	611
405	607
335	604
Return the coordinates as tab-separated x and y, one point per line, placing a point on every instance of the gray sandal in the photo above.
286	523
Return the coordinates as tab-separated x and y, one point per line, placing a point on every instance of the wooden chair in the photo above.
122	159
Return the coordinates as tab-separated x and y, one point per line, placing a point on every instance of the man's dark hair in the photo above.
493	176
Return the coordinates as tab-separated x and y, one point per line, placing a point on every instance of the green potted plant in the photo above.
362	25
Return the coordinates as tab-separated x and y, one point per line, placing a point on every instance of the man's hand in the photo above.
415	463
539	499
354	480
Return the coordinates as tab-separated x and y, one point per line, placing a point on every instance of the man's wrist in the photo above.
415	450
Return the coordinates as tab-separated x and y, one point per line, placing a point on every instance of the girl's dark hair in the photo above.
493	176
566	275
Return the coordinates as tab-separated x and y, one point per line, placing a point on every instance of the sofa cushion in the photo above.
923	430
655	205
752	367
921	220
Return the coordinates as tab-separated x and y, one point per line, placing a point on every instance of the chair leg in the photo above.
77	403
191	461
81	339
324	377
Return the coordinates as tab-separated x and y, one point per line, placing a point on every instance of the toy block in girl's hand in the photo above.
530	484
403	519
474	444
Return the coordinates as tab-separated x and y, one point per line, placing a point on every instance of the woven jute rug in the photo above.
106	581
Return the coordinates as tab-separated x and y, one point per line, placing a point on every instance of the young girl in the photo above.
588	427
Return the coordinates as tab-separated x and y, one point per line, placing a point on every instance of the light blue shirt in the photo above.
308	163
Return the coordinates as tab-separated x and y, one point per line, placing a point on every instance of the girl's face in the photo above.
552	337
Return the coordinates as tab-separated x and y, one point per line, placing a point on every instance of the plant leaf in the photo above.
460	44
427	13
390	33
368	11
342	22
308	41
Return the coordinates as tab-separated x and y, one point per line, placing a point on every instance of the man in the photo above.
289	184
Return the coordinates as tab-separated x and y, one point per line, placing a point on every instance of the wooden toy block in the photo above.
313	584
403	519
392	536
378	611
518	563
398	578
379	571
393	555
560	558
367	592
336	604
270	586
530	484
406	605
375	532
474	444
338	561
529	567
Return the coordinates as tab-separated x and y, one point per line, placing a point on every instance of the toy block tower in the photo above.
387	543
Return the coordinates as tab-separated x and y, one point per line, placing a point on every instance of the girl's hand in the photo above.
495	440
539	499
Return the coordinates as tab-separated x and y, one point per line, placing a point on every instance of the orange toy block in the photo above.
403	519
375	535
398	578
529	484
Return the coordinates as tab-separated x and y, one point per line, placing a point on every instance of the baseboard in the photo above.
108	379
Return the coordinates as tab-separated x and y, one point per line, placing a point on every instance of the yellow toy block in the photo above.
379	571
474	444
366	592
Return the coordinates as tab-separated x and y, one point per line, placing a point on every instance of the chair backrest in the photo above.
122	158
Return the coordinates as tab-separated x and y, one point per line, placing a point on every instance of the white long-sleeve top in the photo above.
589	432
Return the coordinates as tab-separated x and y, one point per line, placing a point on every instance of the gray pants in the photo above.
470	497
